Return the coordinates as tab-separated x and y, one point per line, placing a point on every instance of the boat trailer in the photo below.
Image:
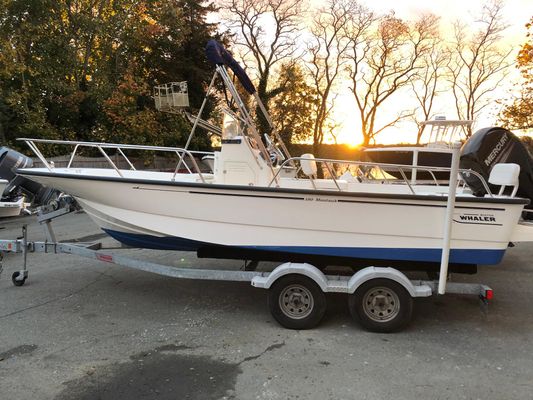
379	298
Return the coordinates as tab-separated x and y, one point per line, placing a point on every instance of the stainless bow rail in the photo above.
292	161
100	146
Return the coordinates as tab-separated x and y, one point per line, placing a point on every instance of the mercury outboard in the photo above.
10	161
490	146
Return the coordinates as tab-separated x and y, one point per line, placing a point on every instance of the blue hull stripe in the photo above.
463	256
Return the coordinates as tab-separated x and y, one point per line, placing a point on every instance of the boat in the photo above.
19	194
9	206
261	203
435	153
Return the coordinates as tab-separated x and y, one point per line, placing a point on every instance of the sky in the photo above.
516	14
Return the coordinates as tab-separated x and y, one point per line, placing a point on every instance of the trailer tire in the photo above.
16	281
381	305
296	302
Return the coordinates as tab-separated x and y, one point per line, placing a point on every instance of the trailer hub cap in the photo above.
296	301
381	304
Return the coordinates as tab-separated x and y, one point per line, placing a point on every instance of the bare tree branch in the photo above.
248	19
478	64
386	54
327	57
426	85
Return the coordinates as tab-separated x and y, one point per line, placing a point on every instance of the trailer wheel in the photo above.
296	302
381	305
16	280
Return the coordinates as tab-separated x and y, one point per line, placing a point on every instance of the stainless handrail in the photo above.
182	152
406	180
398	167
39	154
112	145
328	167
119	147
110	161
72	155
127	159
434	178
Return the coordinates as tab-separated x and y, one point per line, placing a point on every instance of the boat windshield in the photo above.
230	126
445	132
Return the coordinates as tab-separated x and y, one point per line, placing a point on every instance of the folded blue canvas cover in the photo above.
218	55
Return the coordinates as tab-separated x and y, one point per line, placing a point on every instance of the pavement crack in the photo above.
269	348
44	303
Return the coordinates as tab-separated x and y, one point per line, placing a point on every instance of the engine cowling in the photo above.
10	161
490	146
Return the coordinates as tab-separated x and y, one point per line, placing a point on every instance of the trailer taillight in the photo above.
489	294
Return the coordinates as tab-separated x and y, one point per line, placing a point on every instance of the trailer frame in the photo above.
304	277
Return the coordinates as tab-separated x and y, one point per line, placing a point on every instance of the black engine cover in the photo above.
10	161
490	146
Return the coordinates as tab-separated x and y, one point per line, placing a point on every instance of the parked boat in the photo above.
255	206
435	153
9	206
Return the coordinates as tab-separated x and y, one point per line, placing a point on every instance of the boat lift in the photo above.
380	298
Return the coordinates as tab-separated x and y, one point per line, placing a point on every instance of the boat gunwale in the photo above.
281	190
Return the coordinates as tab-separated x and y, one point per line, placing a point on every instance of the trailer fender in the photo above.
369	273
288	268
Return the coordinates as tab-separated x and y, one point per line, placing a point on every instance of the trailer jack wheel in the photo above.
19	277
381	305
296	302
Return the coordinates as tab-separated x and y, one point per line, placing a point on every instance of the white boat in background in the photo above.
11	208
3	185
8	207
259	202
435	153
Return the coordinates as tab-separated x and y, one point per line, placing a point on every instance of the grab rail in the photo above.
100	146
384	167
181	153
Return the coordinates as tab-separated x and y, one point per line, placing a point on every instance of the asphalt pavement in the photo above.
83	329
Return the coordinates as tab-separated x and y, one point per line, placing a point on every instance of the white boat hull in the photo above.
188	215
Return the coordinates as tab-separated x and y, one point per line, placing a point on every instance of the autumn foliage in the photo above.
85	69
519	115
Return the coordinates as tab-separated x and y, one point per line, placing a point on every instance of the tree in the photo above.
519	114
164	43
386	54
293	108
174	49
427	82
327	50
266	48
130	116
61	60
478	65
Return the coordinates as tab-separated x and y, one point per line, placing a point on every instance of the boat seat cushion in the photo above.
505	174
308	164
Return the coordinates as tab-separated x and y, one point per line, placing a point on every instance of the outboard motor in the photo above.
10	161
490	146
